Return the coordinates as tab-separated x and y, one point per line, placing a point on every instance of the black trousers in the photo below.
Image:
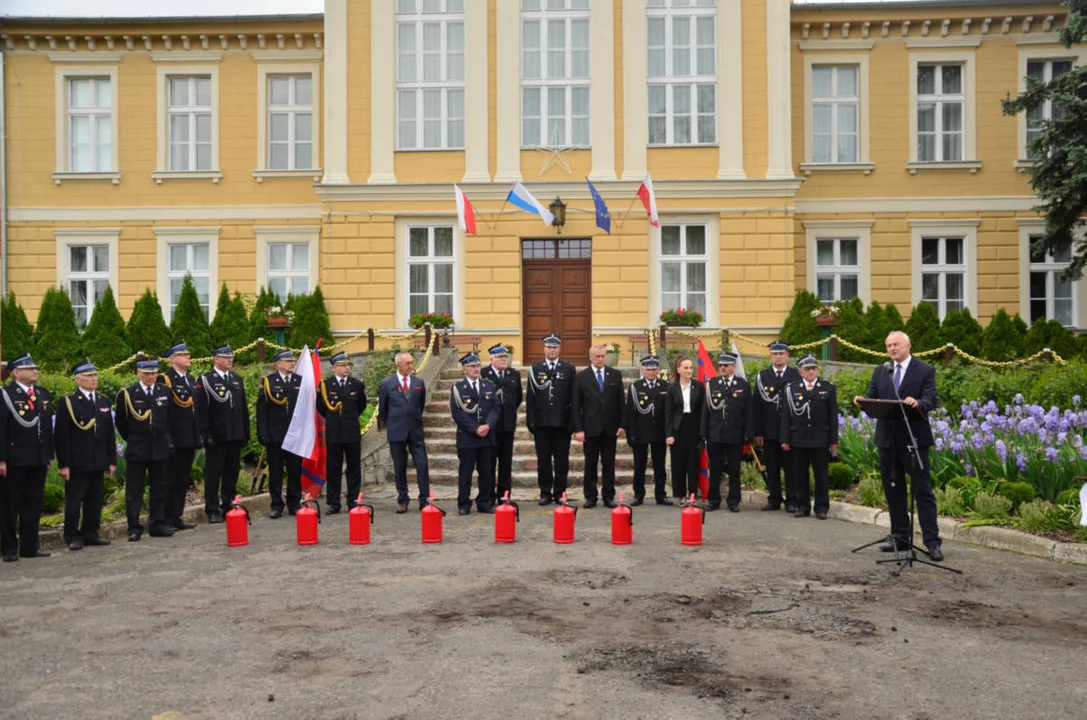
399	452
337	453
504	459
82	492
660	477
894	463
21	509
221	476
685	457
479	460
552	460
177	484
602	448
817	458
778	462
154	474
725	457
277	458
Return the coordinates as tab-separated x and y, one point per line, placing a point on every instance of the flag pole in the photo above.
630	207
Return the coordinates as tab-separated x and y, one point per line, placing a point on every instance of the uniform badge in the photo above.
222	392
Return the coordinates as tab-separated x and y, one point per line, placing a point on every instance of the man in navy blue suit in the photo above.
400	405
908	379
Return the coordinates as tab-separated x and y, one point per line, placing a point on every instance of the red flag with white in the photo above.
306	433
466	214
706	369
649	200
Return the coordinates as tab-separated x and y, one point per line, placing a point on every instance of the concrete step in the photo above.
456	373
527	463
523	447
520	479
441	407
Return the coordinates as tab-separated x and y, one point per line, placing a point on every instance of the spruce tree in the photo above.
962	330
56	336
105	341
853	326
923	327
230	325
258	326
894	321
799	327
876	319
1002	339
147	331
1050	334
190	323
311	322
16	332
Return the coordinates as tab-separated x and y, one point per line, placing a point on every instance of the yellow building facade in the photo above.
850	150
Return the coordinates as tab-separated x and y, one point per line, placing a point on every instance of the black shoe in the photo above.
75	544
771	507
664	501
734	507
589	504
276	513
423	504
637	502
182	525
11	558
545	500
332	510
896	544
464	511
935	552
215	519
95	541
790	508
162	532
35	554
802	512
820	515
134	535
610	504
401	508
485	509
713	506
292	511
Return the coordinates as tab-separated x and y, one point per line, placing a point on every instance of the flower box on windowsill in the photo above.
64	176
972	165
159	175
864	167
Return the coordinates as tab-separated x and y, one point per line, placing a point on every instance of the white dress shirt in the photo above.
686	391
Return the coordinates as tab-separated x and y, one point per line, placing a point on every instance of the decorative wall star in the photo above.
554	157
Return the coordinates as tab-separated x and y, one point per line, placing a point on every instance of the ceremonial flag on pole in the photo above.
466	214
649	199
603	217
706	369
306	433
522	198
740	374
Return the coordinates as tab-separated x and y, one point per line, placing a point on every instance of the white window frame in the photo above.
264	72
860	61
63	73
967	229
567	84
1076	54
712	223
283	234
66	238
859	230
402	294
420	86
167	236
969	159
162	163
1033	227
669	81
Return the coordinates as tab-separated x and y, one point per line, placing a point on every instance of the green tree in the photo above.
258	326
799	327
1060	147
876	321
1050	334
894	321
147	331
16	332
852	325
923	327
311	321
230	324
1002	340
190	322
961	330
56	336
105	341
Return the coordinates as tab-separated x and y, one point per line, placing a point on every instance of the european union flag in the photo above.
603	217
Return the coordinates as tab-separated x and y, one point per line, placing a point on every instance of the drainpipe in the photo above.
3	180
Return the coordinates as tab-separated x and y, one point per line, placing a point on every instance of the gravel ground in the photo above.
772	617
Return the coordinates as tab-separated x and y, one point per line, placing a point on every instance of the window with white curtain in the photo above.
1043	71
288	269
290	122
189	125
1051	296
943	273
430	74
682	70
684	262
940	109
188	259
555	73
835	109
430	269
837	269
87	278
90	124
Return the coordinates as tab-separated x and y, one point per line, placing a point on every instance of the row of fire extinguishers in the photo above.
506	517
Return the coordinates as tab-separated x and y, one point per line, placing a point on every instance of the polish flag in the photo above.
306	432
649	199
466	214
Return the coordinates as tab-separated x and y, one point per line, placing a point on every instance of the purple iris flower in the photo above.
969	470
1021	462
1051	454
1019	398
1083	451
1001	450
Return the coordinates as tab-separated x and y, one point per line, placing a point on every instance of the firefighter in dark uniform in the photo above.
184	432
86	449
727	424
549	419
143	420
341	402
645	429
223	412
276	399
26	449
768	407
809	429
476	407
508	383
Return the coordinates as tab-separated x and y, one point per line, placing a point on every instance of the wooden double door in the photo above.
556	297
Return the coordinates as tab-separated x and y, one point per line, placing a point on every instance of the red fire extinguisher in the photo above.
506	517
307	520
432	522
622	524
237	524
564	522
693	518
359	521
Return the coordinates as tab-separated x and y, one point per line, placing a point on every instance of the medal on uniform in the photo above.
222	392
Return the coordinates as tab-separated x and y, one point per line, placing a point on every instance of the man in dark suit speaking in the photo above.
914	382
597	408
400	404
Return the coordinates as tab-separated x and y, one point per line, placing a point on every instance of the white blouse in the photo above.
686	390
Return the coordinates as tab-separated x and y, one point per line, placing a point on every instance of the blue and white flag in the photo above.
603	217
523	199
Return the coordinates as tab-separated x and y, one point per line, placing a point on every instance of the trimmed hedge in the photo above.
106	337
16	332
190	322
56	336
147	331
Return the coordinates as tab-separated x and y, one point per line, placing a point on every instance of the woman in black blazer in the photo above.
682	423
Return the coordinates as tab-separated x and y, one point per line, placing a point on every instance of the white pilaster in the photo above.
382	90
602	95
476	145
730	90
508	91
335	66
635	93
778	91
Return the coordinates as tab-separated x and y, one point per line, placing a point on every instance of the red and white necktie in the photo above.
406	386
32	397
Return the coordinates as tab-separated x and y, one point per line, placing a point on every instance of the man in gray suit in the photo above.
400	405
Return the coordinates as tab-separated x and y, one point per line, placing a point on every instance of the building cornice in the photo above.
77	46
921	26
